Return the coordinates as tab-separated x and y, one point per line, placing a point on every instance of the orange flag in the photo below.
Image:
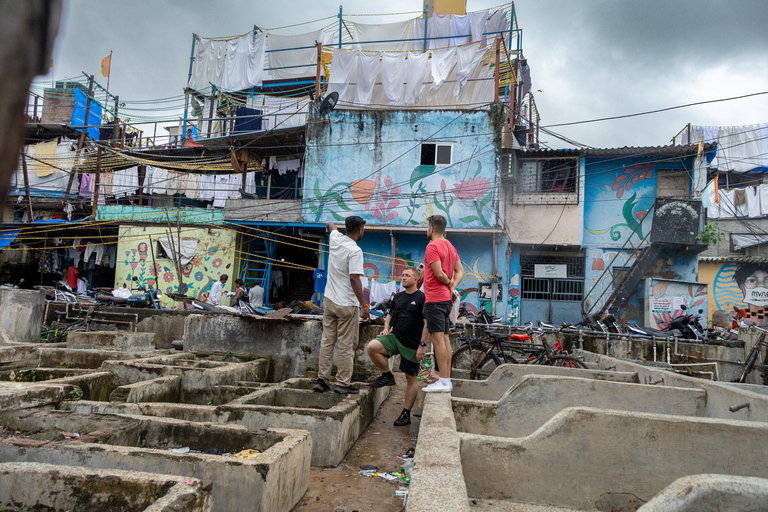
105	62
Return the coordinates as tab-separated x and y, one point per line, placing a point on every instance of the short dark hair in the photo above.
437	223
239	282
353	223
224	277
745	270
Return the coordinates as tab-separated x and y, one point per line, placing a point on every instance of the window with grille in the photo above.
536	288
547	181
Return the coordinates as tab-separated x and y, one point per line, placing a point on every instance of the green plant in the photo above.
711	234
76	394
228	355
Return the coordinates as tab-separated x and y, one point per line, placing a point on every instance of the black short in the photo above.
438	316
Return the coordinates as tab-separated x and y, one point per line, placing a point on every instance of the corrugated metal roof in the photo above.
670	150
732	259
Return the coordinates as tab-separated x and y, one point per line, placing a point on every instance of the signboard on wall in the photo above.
551	271
661	306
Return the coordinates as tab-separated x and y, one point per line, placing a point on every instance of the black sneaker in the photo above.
321	386
346	390
404	419
383	380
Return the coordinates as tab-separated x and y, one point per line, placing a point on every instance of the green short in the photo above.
408	362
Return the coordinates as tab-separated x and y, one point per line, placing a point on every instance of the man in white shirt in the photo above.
214	296
343	297
256	295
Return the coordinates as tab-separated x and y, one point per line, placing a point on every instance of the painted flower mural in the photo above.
362	191
631	176
473	188
385	209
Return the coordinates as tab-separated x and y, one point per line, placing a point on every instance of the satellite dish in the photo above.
329	103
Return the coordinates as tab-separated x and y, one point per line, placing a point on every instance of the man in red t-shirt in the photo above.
442	274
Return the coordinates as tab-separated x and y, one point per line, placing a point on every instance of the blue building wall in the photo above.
366	163
619	193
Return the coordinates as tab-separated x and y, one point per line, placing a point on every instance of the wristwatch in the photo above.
422	344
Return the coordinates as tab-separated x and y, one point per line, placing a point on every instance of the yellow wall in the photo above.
707	273
215	256
447	6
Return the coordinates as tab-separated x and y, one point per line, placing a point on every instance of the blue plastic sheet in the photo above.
78	115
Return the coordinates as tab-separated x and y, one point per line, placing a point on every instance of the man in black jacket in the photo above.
405	332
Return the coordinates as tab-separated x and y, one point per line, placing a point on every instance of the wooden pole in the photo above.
176	260
496	73
26	187
96	183
81	139
317	71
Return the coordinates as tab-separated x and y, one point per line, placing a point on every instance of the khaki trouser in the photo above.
341	328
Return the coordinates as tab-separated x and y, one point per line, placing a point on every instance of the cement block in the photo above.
274	480
15	396
535	399
334	421
292	345
21	315
161	389
35	486
711	493
437	482
607	458
507	375
115	340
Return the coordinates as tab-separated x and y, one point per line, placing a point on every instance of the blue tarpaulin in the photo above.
7	237
78	114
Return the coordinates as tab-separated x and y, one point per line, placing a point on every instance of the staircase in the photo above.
642	255
258	265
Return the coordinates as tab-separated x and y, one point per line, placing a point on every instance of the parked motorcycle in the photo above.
147	297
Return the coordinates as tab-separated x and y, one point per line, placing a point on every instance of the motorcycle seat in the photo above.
110	298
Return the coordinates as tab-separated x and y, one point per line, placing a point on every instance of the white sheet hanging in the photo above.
159	180
762	192
460	29
208	66
221	190
250	182
443	61
185	248
235	184
244	62
192	189
384	32
727	204
497	23
305	58
439	26
367	73
393	78
343	73
468	57
417	70
207	187
477	23
753	202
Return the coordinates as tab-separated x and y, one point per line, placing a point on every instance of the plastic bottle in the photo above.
408	467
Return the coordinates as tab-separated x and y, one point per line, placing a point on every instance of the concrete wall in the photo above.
507	376
34	486
273	210
535	399
275	480
215	256
437	481
21	315
613	459
293	346
711	493
378	175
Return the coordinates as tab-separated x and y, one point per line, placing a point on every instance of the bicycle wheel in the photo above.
567	362
474	359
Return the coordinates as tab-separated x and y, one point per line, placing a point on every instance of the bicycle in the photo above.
480	356
749	365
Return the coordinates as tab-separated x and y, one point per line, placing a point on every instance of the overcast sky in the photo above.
589	59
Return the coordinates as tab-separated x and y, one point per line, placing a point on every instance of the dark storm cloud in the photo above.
590	58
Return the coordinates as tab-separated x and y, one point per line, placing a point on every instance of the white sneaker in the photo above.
441	386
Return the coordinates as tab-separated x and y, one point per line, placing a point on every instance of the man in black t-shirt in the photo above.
404	333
